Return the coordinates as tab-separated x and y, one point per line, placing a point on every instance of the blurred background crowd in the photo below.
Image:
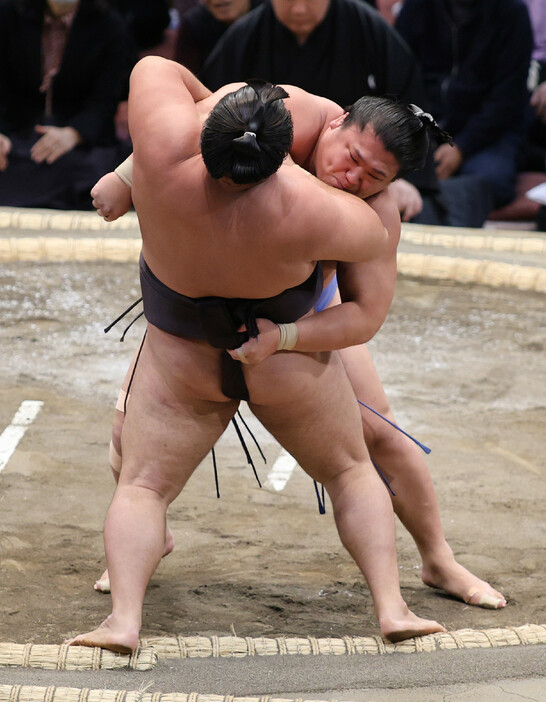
478	66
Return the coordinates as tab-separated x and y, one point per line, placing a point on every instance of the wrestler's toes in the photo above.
102	585
477	598
114	647
102	638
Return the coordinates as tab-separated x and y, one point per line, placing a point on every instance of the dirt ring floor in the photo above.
465	370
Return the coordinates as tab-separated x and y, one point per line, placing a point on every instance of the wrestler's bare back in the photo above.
271	233
173	419
204	237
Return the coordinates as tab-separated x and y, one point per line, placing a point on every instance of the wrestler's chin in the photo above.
332	180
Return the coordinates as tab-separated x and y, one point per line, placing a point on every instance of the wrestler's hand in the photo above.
55	142
256	350
111	197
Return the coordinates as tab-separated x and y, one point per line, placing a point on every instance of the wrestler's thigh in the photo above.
364	378
363	374
168	429
310	408
122	400
368	388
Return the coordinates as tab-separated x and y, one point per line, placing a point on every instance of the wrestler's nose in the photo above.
354	175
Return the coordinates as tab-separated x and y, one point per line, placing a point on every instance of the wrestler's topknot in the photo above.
248	133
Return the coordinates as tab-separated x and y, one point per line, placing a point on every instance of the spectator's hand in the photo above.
408	199
448	159
121	120
256	350
538	101
111	197
5	148
56	142
389	9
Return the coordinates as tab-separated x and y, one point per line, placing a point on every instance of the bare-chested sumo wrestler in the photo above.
228	236
360	151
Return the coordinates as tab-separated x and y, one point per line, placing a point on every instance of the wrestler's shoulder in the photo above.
385	205
306	107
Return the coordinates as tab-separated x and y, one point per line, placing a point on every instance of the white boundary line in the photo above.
12	434
281	472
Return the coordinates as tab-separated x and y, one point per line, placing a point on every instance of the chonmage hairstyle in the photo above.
404	129
247	134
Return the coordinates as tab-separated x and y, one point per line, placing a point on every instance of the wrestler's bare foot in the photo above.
111	635
103	583
456	580
407	625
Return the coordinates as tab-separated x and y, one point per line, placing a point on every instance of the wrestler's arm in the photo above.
163	118
310	114
366	291
111	194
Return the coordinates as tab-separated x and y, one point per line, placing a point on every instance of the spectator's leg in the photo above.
498	165
468	200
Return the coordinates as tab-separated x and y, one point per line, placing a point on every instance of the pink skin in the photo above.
354	160
103	583
357	160
227	11
301	17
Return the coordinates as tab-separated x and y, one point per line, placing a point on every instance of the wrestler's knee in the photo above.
151	481
345	479
337	470
377	432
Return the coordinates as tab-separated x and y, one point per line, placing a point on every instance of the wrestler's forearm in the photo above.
336	328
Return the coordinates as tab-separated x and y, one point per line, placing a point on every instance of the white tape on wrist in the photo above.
289	336
125	172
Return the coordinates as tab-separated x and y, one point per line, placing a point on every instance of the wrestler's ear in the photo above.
338	121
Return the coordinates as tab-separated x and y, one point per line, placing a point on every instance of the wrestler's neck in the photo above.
309	163
227	183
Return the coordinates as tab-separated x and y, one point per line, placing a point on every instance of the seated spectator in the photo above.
388	8
182	6
147	21
339	49
535	154
475	57
535	150
62	68
202	26
536	138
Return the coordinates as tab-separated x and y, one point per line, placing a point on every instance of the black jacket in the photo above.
475	71
198	34
353	52
88	86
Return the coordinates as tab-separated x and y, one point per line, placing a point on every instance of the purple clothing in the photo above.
537	13
327	295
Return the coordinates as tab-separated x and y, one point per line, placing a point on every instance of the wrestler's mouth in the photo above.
343	186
